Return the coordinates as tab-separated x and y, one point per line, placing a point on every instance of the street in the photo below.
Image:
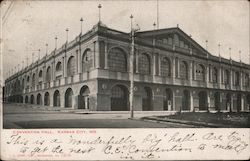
28	117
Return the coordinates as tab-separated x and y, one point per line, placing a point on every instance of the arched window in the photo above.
87	60
214	75
144	64
200	73
165	67
71	66
48	74
117	60
59	66
237	78
34	80
28	79
23	83
227	77
183	70
40	74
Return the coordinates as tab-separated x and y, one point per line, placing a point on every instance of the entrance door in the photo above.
147	99
119	98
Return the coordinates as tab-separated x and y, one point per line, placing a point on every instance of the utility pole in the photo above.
131	96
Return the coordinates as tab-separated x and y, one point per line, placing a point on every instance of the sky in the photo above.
28	25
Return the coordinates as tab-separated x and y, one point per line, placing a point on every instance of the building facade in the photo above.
171	72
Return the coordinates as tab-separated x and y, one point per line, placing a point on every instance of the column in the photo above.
53	70
242	102
207	75
178	68
159	65
77	62
173	69
194	70
97	54
219	76
191	102
173	101
231	79
154	64
241	75
64	66
208	101
79	59
106	55
190	72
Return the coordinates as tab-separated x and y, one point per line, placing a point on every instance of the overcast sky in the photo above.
29	25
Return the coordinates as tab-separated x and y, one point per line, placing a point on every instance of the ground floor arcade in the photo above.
113	95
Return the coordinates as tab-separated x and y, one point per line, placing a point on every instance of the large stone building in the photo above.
172	72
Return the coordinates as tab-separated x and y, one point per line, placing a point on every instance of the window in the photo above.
48	74
71	66
227	77
117	92
40	73
246	80
200	72
183	70
214	75
59	66
117	60
33	80
144	64
165	67
87	60
237	78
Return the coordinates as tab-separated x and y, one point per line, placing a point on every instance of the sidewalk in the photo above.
195	123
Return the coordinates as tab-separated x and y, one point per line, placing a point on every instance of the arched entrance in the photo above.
119	98
202	100
26	99
168	100
83	98
21	99
32	99
147	99
56	98
186	100
239	102
68	98
217	101
46	99
39	99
